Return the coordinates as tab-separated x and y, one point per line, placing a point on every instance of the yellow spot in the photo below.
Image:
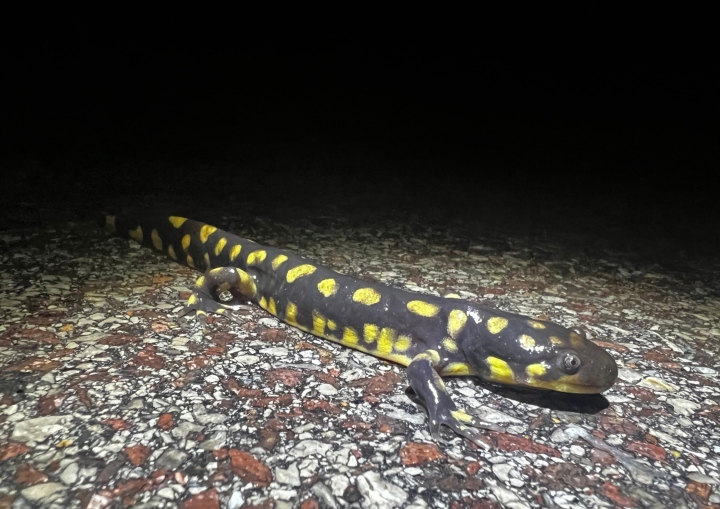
403	343
256	257
247	285
110	223
171	253
220	311
263	303
190	262
450	345
422	308
556	340
206	231
156	240
458	369
224	287
200	282
299	271
192	299
462	416
366	296
186	241
500	371
331	325
536	325
535	370
456	322
201	312
291	313
452	296
328	287
576	340
216	271
207	259
137	234
386	340
526	342
177	221
319	322
496	324
350	336
220	246
279	260
429	355
234	252
370	332
272	307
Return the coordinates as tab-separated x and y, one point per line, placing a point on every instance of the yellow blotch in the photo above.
220	311
452	296
190	262
186	241
156	240
526	342
319	322
366	296
500	370
200	282
291	313
262	303
207	259
216	271
256	257
171	253
177	221
535	370
403	343
386	340
456	322
536	325
206	231
223	287
399	358
496	324
137	234
462	416
576	340
247	285
272	307
556	340
299	271
428	355
370	332
220	246
279	260
458	369
450	345
192	299
350	336
234	252
331	325
328	287
110	223
422	308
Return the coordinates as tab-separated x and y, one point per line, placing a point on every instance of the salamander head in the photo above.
517	350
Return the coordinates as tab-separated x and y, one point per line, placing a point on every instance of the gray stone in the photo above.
40	428
46	492
171	459
379	494
289	475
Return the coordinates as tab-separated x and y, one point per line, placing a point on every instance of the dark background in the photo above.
619	144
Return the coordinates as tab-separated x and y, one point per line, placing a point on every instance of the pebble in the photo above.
38	429
289	475
379	494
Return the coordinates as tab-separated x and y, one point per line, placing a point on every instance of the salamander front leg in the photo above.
430	388
206	294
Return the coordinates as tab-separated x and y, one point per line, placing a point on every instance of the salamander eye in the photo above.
570	363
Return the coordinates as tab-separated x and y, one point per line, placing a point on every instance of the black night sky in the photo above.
618	141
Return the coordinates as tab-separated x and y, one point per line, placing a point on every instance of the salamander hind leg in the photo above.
430	389
205	297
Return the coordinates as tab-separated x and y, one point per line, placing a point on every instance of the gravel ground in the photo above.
108	400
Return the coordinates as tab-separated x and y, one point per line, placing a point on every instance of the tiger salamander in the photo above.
432	336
